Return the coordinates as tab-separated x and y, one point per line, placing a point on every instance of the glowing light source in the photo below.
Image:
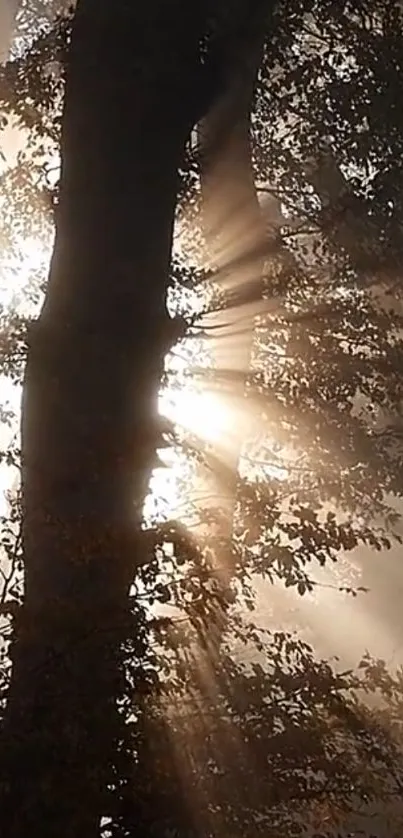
204	414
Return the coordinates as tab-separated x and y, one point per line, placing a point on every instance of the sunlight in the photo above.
21	275
217	420
202	413
166	495
208	418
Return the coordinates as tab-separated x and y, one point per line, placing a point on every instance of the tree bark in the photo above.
90	406
237	236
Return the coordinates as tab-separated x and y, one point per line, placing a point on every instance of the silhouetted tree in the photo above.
89	426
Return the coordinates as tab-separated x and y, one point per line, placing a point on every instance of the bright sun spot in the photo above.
207	418
204	414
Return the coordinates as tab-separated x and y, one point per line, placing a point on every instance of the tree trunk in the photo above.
8	13
238	245
90	406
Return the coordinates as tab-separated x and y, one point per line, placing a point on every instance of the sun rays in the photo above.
212	409
206	398
202	413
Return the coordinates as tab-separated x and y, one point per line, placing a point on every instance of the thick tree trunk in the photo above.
89	408
237	244
90	404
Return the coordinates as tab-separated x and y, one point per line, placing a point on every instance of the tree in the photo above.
89	416
327	356
354	335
